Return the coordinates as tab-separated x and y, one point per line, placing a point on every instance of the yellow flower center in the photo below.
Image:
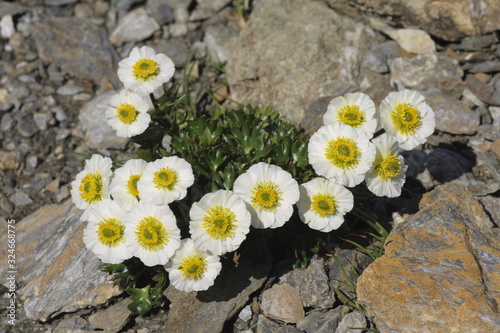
192	268
406	118
111	232
343	153
146	69
351	115
132	185
219	222
91	188
323	205
126	113
166	179
151	234
388	168
266	196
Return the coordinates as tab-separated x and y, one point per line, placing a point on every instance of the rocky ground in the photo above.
58	70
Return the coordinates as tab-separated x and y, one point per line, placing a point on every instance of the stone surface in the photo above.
312	283
208	311
446	20
282	302
322	322
351	323
113	318
452	116
219	40
289	56
412	40
56	273
136	26
440	269
406	71
98	133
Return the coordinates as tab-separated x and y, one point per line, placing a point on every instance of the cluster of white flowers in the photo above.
128	210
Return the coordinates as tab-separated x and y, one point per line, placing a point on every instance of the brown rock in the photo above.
283	302
441	270
113	318
449	20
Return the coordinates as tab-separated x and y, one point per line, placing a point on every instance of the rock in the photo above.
77	46
412	40
207	9
113	318
136	26
440	269
8	160
175	48
445	165
475	43
446	20
161	11
491	206
72	324
20	199
322	322
59	2
69	89
207	311
289	56
452	116
219	39
483	91
312	284
98	133
56	273
283	302
11	8
351	323
376	58
27	128
407	71
266	325
485	67
7	28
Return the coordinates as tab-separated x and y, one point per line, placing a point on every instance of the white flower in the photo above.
91	185
323	204
269	192
127	114
165	180
191	269
219	222
145	70
341	153
406	116
105	233
387	175
152	234
124	184
355	109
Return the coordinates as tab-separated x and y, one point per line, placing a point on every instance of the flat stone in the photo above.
134	27
485	92
219	40
162	12
113	318
475	43
351	323
69	89
376	58
77	46
98	133
207	9
283	302
412	40
20	199
452	116
491	205
440	271
322	322
27	128
407	71
11	8
312	282
446	20
57	276
303	60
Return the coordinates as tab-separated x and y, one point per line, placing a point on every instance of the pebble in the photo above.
282	302
69	89
376	59
59	113
7	122
31	162
8	160
27	128
62	194
20	199
161	11
178	29
41	120
351	323
113	318
133	27
319	322
413	40
219	40
7	29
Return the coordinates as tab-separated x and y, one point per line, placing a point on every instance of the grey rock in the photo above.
6	207
445	165
113	318
475	43
62	194
322	322
134	27
345	267
491	206
18	94
445	20
175	48
207	9
220	39
485	92
41	120
72	324
59	2
282	302
11	8
440	270
31	162
7	122
376	59
407	71
266	325
7	28
162	12
452	116
351	323
97	132
288	55
207	311
66	41
60	114
178	29
27	128
312	283
20	199
412	40
55	74
69	89
57	276
25	78
485	67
